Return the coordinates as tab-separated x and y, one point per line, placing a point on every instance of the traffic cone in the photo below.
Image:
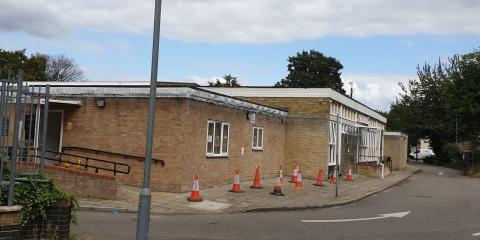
333	178
319	179
349	176
236	183
282	180
256	180
195	196
298	183
295	173
277	189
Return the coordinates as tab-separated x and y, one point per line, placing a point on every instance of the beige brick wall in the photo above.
306	133
396	147
179	140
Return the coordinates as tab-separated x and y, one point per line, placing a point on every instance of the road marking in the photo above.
476	234
381	216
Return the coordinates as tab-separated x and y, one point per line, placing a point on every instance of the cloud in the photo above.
376	91
244	21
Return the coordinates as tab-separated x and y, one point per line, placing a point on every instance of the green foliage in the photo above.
442	105
35	197
313	69
227	81
38	67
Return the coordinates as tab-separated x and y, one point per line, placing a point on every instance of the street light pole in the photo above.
143	219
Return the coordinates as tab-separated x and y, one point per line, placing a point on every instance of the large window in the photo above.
332	144
217	138
257	142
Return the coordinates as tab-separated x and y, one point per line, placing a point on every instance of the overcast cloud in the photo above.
244	21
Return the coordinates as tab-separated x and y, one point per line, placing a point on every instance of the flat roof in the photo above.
142	90
298	93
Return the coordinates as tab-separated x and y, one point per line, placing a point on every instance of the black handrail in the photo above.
86	165
112	153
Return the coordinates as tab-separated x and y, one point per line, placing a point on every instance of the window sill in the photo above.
257	149
217	156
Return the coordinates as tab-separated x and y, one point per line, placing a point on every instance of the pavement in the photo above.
218	200
441	204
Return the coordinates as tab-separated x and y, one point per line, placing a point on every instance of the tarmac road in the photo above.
442	205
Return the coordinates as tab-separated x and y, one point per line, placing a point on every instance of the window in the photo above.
217	138
257	142
332	143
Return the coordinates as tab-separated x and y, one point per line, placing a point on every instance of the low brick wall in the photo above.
372	170
80	183
56	226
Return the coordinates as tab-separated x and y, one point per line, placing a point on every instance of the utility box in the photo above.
396	147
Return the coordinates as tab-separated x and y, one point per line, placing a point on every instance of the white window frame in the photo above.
257	129
332	144
223	152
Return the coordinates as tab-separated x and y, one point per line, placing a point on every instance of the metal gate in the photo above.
20	107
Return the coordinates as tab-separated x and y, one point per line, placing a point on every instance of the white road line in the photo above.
387	215
476	234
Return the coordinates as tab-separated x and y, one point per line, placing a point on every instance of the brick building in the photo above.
311	129
210	131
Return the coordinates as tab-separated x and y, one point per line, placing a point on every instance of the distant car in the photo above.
421	154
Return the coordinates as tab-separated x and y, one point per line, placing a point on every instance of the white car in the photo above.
421	154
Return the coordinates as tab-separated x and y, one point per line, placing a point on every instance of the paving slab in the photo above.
219	200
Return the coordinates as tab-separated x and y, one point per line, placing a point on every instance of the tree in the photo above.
38	67
442	105
12	61
227	81
62	69
313	69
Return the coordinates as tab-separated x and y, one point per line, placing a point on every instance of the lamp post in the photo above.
143	219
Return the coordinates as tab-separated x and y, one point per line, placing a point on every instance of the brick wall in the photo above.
221	170
77	182
56	225
179	140
306	133
396	147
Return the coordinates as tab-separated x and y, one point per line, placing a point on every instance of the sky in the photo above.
379	42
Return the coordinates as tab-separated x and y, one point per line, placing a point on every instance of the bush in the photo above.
35	197
451	156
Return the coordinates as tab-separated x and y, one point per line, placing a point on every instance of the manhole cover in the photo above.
209	205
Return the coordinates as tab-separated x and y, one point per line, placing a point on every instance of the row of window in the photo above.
369	142
352	115
218	137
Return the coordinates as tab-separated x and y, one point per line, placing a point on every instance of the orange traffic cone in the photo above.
236	183
256	180
277	189
319	179
195	196
349	176
282	180
333	178
298	183
295	173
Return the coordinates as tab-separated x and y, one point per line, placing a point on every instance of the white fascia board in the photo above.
298	93
66	102
395	134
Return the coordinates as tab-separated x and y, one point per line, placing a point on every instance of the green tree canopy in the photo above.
38	67
313	69
443	104
227	81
